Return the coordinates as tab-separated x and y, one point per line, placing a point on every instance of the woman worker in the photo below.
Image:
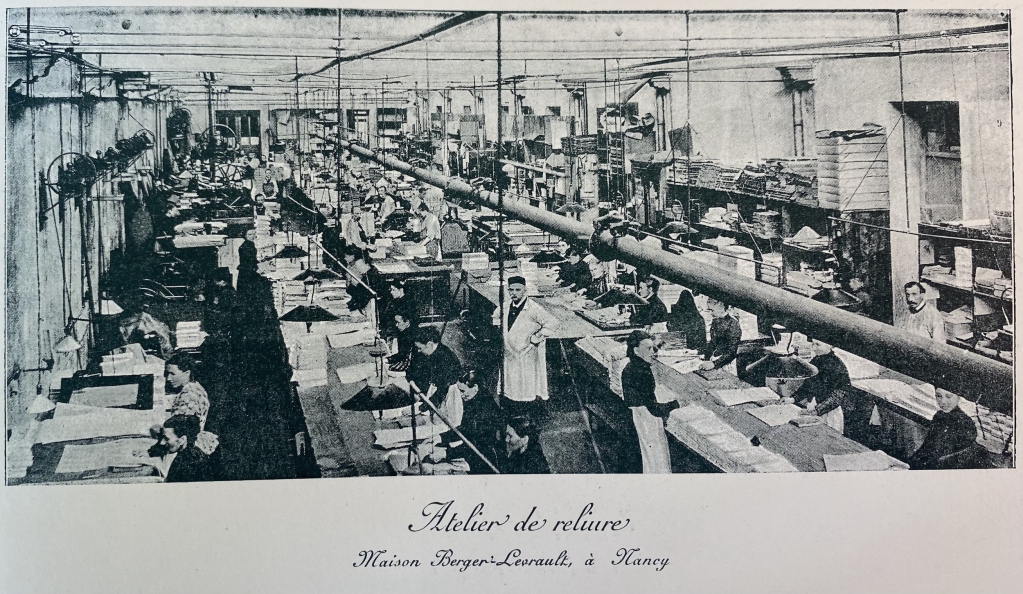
951	441
357	277
190	397
575	275
686	318
725	336
648	415
522	453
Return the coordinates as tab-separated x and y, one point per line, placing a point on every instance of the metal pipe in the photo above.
958	371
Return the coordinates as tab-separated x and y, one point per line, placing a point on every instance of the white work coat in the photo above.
525	363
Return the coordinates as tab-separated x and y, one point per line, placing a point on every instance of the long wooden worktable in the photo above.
803	447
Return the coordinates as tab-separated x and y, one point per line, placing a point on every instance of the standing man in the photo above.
431	232
924	318
525	351
904	436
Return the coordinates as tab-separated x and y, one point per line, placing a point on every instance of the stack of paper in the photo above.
744	395
189	336
123	453
900	393
708	435
876	460
356	373
106	396
350	339
776	414
310	378
104	422
858	367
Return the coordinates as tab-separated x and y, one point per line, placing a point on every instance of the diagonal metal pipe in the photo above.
964	373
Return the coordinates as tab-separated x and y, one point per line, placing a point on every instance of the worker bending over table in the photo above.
575	275
399	301
478	418
686	318
525	351
434	368
725	335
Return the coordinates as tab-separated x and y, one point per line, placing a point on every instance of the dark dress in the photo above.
531	461
577	274
191	465
654	312
951	442
638	388
406	306
441	369
831	376
692	325
399	361
725	335
481	420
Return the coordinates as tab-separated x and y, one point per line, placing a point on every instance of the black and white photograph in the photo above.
375	244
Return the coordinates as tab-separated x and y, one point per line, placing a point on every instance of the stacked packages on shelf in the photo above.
792	180
726	178
852	169
767	224
752	180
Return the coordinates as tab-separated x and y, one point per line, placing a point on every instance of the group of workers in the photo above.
505	429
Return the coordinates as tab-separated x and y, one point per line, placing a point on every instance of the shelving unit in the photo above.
989	307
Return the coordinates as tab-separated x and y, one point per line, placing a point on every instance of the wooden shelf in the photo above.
973	290
755	197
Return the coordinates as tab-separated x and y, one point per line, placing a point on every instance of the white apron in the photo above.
452	407
834	418
653	442
525	364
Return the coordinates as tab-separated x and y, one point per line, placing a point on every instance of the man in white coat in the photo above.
525	352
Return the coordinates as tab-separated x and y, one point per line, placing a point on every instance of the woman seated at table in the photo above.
824	394
522	453
951	441
190	397
725	336
638	387
575	274
357	278
686	318
478	418
399	301
184	461
404	336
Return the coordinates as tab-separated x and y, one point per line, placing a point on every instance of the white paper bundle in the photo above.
744	395
776	414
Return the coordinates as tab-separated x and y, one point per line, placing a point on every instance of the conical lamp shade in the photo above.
291	251
107	307
308	313
68	344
